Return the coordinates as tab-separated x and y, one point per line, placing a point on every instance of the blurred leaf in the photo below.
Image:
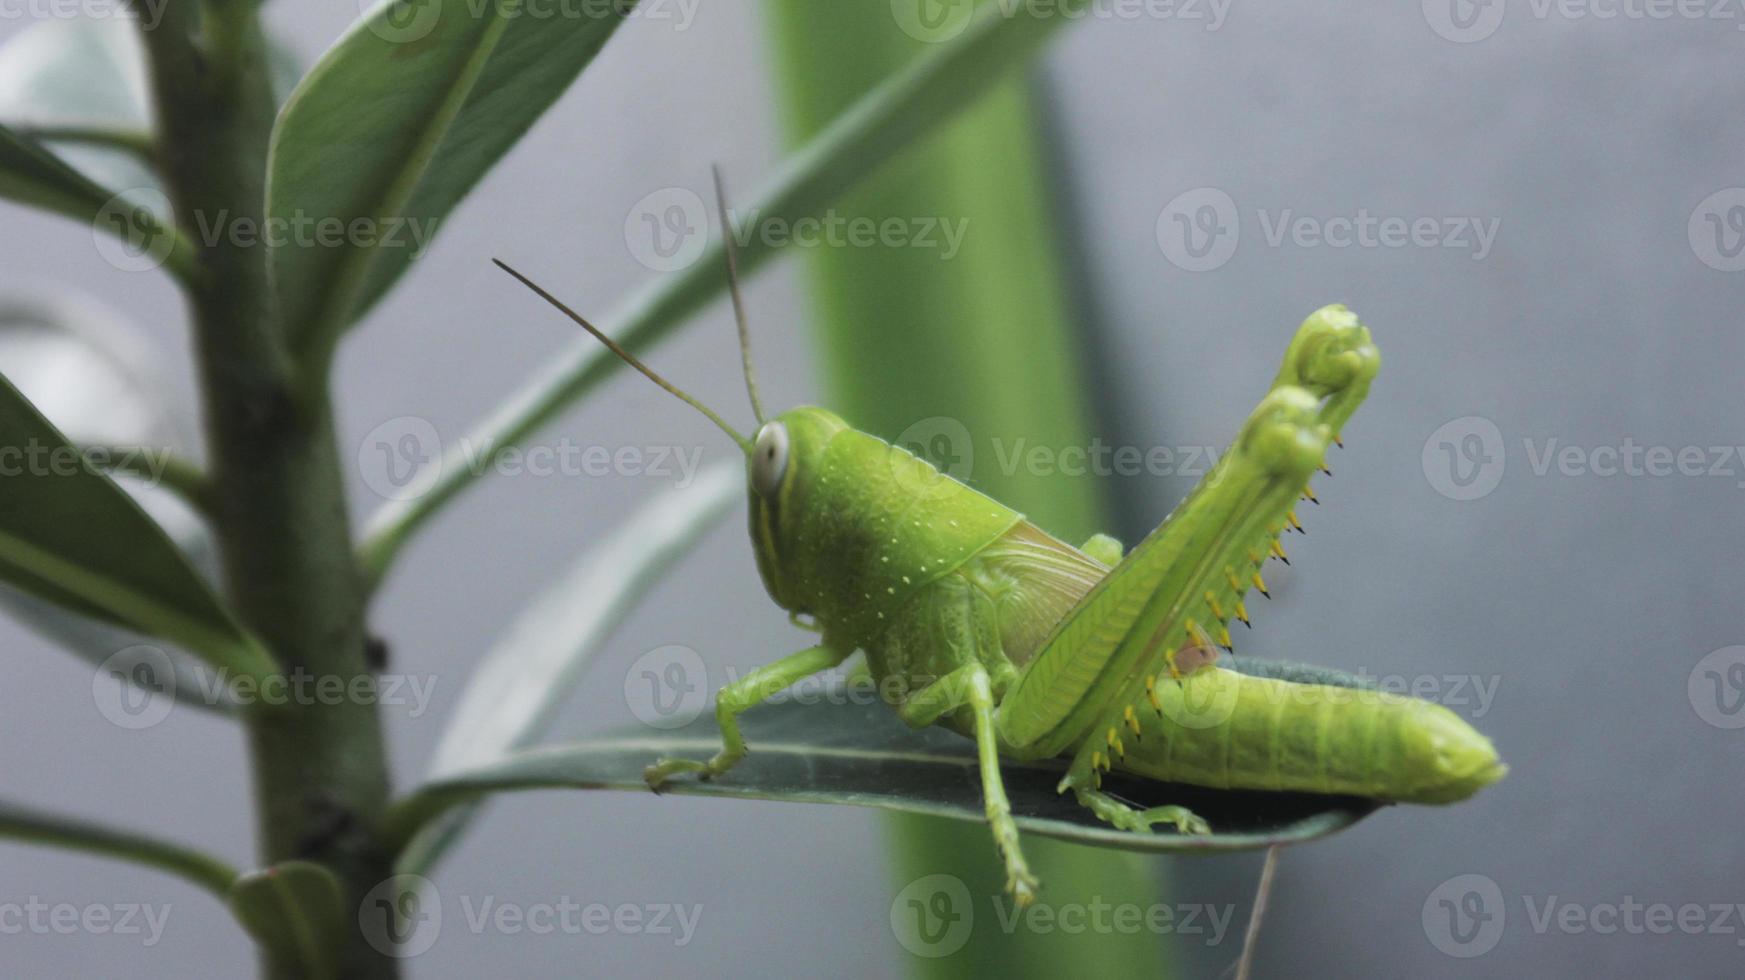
419	100
34	826
852	750
70	535
986	343
296	907
30	174
96	378
899	112
525	677
85	73
88	75
520	683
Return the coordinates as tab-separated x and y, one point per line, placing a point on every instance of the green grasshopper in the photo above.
974	618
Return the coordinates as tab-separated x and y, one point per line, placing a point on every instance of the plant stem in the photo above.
320	770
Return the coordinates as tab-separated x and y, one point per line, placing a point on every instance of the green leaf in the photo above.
849	748
81	74
79	85
70	535
296	908
900	111
94	375
529	672
34	826
419	100
30	174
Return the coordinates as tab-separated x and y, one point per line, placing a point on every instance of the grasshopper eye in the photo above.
769	459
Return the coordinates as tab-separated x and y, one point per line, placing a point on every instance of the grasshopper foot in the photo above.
1123	817
665	769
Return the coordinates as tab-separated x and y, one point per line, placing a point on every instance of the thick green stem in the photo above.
321	776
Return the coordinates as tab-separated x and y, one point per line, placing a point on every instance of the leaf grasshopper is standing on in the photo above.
973	618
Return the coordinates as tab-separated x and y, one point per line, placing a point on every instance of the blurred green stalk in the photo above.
980	335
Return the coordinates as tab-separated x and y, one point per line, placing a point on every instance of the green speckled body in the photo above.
868	529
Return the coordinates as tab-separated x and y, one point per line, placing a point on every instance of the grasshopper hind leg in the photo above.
1083	779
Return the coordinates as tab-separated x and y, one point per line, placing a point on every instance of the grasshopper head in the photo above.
784	459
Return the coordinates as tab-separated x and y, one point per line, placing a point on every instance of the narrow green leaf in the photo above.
31	825
520	683
93	374
30	174
419	100
79	85
849	748
70	535
81	74
296	908
986	341
898	112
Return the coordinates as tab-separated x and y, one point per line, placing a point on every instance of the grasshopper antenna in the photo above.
738	300
626	356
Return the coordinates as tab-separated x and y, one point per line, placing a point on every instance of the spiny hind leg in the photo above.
1084	779
1333	357
738	697
970	685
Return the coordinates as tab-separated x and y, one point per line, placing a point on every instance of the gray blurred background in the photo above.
1606	309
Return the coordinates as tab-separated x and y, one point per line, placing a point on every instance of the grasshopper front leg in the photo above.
737	698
